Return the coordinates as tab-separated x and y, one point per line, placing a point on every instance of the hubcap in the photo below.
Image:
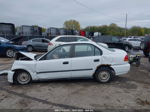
23	78
127	48
10	53
29	48
104	76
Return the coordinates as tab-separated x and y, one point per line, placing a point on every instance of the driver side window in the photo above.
58	53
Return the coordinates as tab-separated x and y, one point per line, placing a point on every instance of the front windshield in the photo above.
38	56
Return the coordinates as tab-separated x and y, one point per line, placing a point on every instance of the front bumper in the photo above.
121	69
10	76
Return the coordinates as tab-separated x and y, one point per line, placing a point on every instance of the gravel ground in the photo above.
130	91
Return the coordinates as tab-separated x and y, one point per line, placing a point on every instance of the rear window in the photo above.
66	39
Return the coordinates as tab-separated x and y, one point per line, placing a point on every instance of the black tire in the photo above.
10	53
138	63
22	77
29	48
146	53
104	75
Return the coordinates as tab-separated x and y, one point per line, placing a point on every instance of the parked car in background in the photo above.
38	44
71	60
145	46
8	49
113	42
59	40
135	42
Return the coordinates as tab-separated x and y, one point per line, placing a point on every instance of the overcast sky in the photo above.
53	13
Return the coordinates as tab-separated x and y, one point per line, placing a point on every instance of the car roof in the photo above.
57	37
69	36
81	42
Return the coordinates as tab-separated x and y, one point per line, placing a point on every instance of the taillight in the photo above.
126	58
50	44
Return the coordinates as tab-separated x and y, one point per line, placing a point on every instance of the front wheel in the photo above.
104	75
10	53
22	78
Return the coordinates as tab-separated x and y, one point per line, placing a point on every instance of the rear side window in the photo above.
36	40
66	39
86	50
81	39
45	41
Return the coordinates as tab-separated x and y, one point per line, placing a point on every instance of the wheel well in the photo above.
19	70
107	66
9	48
29	45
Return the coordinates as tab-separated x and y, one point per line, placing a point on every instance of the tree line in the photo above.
116	30
112	29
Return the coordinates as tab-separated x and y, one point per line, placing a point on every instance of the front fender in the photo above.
32	73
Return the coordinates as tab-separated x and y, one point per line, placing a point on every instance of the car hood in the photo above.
29	55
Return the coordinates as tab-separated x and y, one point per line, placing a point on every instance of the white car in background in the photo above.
135	42
59	40
71	60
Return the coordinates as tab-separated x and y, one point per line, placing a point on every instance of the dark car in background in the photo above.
37	44
145	46
113	42
9	49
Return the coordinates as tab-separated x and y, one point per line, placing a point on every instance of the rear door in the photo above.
86	58
37	43
44	44
115	43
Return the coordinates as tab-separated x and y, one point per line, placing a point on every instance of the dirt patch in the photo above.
142	102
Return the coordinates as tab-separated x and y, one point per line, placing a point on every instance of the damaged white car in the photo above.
73	60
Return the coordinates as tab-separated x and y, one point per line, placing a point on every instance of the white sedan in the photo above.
59	40
73	60
135	42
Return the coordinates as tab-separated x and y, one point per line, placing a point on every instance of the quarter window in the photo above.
97	52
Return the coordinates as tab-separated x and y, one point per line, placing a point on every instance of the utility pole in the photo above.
126	20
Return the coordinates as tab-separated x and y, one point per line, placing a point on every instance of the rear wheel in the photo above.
104	74
29	48
146	53
22	77
10	53
127	48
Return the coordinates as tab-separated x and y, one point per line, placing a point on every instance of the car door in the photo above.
86	58
37	43
55	64
44	44
116	43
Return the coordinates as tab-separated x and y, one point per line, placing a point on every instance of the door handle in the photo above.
66	62
96	60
